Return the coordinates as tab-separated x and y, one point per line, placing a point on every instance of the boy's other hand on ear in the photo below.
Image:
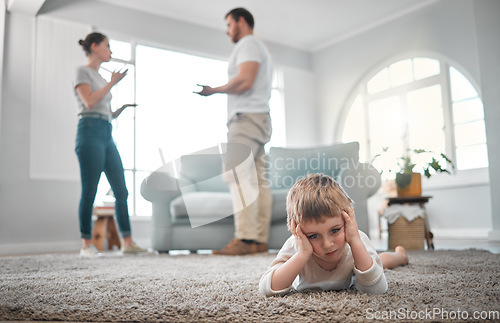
351	226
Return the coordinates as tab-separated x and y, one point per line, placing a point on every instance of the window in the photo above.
277	106
170	120
468	121
419	103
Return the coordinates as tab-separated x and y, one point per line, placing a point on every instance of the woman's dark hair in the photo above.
93	38
242	12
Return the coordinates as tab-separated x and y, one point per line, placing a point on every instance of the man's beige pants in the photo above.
252	131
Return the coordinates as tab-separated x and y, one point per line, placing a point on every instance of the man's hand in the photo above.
303	243
351	226
247	72
205	91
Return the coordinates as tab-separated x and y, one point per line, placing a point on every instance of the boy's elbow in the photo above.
374	291
265	292
380	288
384	286
265	284
262	288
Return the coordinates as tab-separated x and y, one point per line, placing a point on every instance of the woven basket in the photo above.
410	235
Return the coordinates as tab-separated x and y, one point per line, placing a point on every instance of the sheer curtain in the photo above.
56	54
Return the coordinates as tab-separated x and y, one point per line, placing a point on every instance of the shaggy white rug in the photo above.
437	285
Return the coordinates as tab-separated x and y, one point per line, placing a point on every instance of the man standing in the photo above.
249	124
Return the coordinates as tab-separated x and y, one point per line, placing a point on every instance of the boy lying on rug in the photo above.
326	251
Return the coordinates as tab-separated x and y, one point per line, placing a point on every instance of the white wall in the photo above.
2	41
488	47
448	28
39	215
301	112
31	211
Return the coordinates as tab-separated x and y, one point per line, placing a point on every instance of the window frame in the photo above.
462	178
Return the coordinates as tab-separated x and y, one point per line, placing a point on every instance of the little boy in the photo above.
326	251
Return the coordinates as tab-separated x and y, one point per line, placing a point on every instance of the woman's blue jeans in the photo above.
97	153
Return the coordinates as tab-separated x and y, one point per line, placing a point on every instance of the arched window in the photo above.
419	103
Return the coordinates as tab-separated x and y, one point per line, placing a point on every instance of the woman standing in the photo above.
95	148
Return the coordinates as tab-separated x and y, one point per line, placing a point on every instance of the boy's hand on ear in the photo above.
285	274
303	243
351	226
362	259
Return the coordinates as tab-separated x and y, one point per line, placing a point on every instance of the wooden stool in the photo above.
105	228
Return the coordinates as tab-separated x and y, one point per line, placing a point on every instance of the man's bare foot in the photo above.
402	251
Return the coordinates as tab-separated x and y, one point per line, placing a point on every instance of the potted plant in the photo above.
408	179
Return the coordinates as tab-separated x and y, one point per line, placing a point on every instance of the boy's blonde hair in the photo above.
315	196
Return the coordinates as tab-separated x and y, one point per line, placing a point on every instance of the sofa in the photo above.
192	210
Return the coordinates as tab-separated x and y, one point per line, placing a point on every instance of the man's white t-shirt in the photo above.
255	100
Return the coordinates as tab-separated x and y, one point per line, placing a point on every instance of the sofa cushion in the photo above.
211	206
287	165
204	171
279	204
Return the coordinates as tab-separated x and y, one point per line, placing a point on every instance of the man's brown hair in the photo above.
238	13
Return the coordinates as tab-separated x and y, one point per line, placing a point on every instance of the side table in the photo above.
420	200
105	228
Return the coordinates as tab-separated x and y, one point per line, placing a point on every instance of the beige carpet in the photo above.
161	288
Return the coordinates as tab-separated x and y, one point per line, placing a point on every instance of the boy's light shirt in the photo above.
312	276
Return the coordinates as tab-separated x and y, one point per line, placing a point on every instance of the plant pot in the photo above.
414	188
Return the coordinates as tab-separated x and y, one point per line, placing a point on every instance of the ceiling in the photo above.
303	24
